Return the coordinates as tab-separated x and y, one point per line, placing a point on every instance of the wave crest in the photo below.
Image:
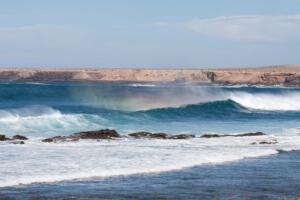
289	101
28	112
44	120
209	109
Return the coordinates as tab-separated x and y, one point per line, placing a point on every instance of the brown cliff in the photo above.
288	75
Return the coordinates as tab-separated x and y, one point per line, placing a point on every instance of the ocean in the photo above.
128	168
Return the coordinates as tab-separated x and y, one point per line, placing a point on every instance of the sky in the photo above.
149	33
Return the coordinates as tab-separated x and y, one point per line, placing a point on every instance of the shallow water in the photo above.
40	110
271	177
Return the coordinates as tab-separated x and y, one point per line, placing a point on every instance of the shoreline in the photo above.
285	75
223	180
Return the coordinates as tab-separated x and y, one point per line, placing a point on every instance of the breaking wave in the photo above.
289	101
235	102
44	120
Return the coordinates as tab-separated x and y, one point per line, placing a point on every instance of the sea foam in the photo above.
289	101
38	162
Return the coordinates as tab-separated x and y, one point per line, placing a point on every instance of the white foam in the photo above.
43	120
285	100
11	115
42	162
142	85
289	101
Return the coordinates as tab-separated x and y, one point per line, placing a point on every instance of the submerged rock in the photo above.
150	135
230	135
19	137
17	142
60	139
272	141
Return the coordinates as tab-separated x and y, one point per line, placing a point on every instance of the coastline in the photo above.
286	75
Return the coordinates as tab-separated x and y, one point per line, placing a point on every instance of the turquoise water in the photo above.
69	107
40	110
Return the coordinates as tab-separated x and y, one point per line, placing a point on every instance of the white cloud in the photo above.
248	27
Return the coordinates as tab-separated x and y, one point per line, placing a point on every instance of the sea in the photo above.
253	167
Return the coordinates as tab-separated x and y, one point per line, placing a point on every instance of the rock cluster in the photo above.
231	135
113	134
160	135
109	134
16	139
101	134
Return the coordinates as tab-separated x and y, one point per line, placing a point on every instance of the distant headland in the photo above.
287	75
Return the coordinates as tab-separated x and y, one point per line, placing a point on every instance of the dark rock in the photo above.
61	139
144	134
4	138
293	80
19	137
228	135
159	135
141	134
272	141
148	135
211	76
101	134
181	136
250	134
53	139
211	136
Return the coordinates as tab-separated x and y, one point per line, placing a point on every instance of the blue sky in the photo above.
149	33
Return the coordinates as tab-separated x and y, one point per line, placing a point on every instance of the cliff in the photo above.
288	75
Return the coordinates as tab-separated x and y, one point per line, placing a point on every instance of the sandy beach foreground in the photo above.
288	75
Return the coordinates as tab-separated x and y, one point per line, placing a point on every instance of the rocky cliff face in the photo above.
280	75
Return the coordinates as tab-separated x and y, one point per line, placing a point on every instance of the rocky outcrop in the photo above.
19	137
108	134
293	80
14	140
4	138
100	134
61	139
232	135
149	135
144	134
